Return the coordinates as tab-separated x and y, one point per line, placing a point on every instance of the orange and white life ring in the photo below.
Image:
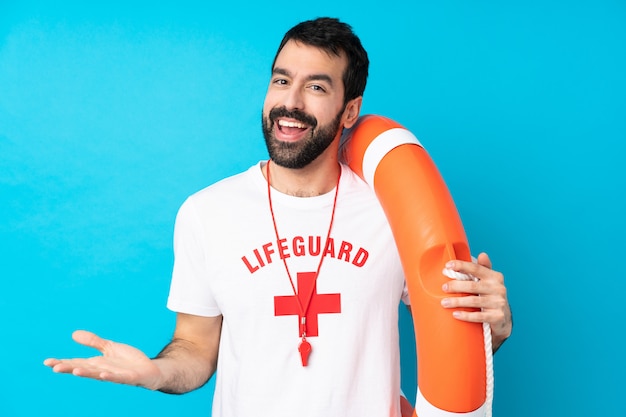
451	354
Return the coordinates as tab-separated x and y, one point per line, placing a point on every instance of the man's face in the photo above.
304	105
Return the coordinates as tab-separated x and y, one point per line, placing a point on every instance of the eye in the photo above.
318	88
279	81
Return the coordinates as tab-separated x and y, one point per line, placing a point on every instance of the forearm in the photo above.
184	367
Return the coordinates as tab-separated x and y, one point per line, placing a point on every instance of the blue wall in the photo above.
111	114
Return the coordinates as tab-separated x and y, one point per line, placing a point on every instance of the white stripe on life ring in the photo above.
381	146
425	409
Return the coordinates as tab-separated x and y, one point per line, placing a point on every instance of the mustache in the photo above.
298	115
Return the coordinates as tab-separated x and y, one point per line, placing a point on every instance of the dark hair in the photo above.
333	36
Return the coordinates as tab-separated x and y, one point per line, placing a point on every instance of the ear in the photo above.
352	111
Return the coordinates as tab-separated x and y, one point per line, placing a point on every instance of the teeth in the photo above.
285	123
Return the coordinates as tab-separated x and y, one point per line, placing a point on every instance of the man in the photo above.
289	270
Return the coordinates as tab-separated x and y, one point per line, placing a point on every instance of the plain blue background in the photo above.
111	113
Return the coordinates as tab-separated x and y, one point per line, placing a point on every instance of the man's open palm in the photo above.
118	363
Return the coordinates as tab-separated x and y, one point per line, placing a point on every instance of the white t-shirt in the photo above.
228	262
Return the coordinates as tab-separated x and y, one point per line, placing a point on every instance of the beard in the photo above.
299	154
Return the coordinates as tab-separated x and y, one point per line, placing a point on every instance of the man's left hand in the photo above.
487	294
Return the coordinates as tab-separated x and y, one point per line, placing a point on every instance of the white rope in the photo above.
488	344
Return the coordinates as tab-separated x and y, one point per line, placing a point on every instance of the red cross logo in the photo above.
287	305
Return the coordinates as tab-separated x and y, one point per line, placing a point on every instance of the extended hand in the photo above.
119	363
487	294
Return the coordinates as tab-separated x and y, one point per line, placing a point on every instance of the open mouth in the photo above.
286	125
290	130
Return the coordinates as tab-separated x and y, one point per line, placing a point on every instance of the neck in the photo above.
317	178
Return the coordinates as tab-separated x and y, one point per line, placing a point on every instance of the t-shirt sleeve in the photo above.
190	289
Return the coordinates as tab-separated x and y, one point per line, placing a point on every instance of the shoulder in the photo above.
242	185
224	198
355	187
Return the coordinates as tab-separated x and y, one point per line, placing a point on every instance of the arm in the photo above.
190	359
488	294
184	365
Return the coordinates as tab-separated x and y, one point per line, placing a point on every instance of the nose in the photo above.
294	99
